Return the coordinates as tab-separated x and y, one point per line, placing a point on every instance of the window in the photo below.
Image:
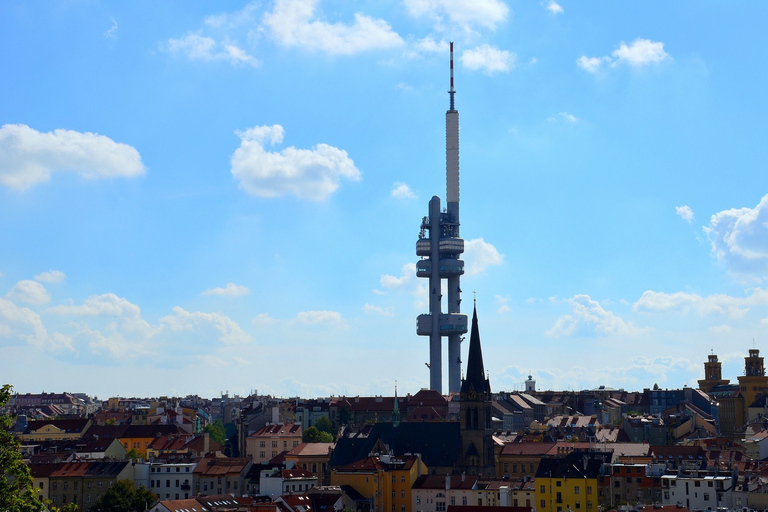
274	444
440	506
697	483
402	479
589	489
559	497
65	485
261	455
453	500
578	505
402	493
54	485
74	485
558	483
418	500
576	490
463	500
262	444
543	504
532	467
543	489
706	496
514	467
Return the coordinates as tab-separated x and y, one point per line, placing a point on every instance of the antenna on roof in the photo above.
452	92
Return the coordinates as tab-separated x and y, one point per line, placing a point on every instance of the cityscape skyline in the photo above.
201	200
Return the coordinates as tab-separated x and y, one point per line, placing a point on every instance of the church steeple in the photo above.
475	378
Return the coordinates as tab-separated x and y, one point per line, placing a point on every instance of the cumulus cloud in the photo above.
23	324
739	239
564	116
228	330
685	213
589	318
681	302
371	309
52	276
230	290
554	8
468	15
111	325
402	191
198	47
640	53
479	255
406	279
489	59
29	292
320	317
305	173
28	157
294	23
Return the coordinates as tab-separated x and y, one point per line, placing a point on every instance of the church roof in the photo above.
475	377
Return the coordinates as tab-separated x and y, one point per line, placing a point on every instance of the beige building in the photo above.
270	441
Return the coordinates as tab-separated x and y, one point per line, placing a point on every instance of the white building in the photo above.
697	491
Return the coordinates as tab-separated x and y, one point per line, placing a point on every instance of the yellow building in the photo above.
54	430
270	441
386	481
569	483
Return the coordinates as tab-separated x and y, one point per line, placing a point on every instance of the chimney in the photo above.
447	483
206	443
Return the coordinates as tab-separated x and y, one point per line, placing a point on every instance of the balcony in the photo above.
452	245
450	323
422	247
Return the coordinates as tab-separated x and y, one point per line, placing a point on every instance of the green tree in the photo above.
344	416
324	425
16	491
133	454
124	496
313	435
218	431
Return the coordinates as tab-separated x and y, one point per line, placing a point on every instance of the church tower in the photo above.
476	457
713	375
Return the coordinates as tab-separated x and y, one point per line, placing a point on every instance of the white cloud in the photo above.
229	331
681	302
591	64
307	174
504	309
554	8
589	318
28	157
24	324
263	319
119	329
407	276
112	32
52	276
243	16
294	23
685	213
370	308
479	13
489	59
564	116
640	53
230	290
402	191
479	255
29	292
739	239
320	317
199	47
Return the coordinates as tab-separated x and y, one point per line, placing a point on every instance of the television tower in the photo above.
439	246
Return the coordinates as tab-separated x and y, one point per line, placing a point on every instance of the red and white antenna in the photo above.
452	91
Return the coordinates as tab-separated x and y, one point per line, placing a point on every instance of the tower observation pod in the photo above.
440	247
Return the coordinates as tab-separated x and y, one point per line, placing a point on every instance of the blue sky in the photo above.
198	197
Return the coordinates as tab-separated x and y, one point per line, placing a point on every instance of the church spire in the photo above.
475	376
